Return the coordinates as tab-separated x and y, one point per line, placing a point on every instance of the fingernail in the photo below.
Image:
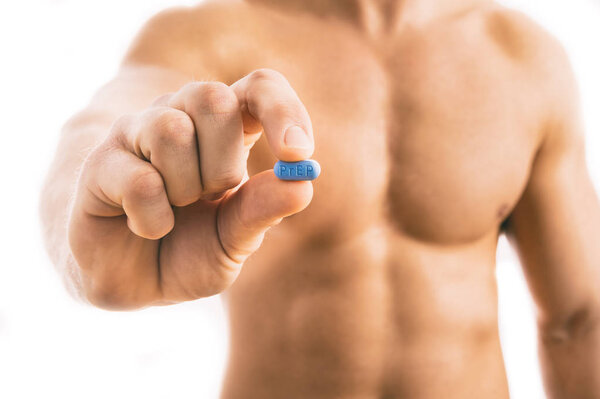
296	137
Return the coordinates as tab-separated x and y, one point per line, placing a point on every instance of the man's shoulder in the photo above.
195	40
524	41
545	63
536	52
214	15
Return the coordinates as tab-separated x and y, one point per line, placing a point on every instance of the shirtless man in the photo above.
438	125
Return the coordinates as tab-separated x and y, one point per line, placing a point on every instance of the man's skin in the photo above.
438	125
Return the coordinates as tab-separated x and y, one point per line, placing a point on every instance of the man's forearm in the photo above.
571	357
78	138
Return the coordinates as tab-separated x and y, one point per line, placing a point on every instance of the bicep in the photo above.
555	226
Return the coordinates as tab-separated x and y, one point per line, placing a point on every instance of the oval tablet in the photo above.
309	169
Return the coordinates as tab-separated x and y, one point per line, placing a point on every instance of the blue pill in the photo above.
308	169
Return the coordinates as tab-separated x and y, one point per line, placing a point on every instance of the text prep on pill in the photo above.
308	169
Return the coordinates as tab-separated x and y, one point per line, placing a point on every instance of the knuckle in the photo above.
120	125
266	74
144	184
215	98
175	128
95	159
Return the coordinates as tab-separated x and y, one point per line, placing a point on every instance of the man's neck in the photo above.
377	16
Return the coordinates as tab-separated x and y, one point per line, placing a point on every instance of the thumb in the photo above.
260	203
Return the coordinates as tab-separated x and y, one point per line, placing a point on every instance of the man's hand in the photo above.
164	210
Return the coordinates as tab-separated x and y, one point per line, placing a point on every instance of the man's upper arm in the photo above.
556	224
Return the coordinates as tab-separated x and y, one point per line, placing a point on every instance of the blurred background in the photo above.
55	54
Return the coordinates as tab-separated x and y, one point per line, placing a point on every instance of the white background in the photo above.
54	54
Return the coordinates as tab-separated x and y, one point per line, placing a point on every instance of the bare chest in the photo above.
430	137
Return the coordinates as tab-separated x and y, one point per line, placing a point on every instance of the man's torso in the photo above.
384	287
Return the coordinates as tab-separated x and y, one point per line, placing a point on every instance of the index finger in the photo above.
269	103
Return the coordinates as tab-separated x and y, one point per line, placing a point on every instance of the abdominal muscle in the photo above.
379	315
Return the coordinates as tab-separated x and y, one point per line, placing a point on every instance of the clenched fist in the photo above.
165	210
